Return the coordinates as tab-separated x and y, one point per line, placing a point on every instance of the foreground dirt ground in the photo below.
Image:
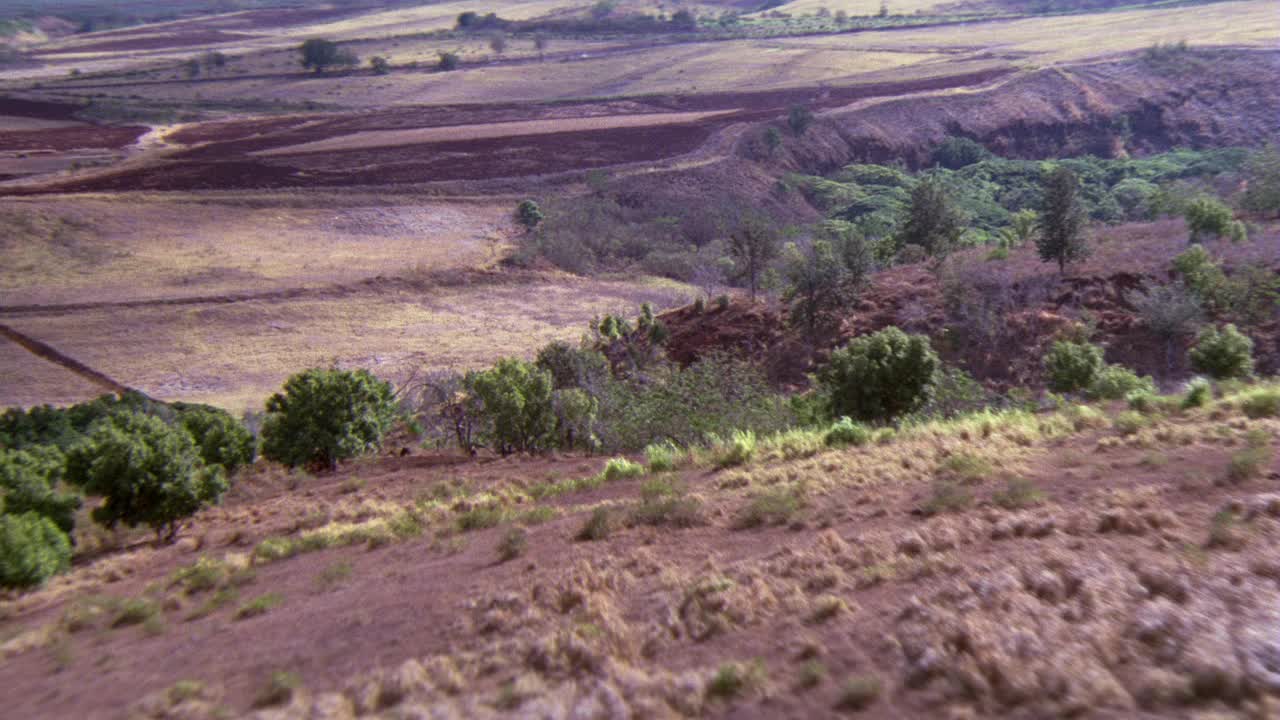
1080	563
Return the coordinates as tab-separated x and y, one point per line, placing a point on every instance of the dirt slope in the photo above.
1072	569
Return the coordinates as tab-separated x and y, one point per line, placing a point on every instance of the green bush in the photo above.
879	377
572	367
529	214
1072	366
324	416
576	414
738	449
148	473
1207	216
27	482
222	439
1115	382
847	432
515	401
1199	392
32	550
662	457
1261	404
1222	353
621	469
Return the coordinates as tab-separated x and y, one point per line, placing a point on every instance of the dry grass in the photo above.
236	355
96	250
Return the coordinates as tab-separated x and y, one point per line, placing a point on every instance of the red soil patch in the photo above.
72	138
221	162
153	42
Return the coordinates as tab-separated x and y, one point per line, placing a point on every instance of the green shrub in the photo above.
1072	366
846	432
621	469
1261	403
222	439
32	550
480	518
1199	393
515	401
737	450
1207	216
662	457
513	543
879	377
529	214
147	472
27	480
324	416
734	679
967	467
948	496
260	605
572	367
663	502
597	527
1018	493
775	506
576	416
1130	422
278	689
1115	382
859	693
1248	463
1222	353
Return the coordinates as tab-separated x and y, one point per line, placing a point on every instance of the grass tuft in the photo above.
597	527
260	605
859	693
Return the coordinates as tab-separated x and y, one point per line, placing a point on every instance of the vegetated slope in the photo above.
1003	566
996	318
1136	105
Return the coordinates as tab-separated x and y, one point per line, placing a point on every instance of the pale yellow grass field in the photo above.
438	16
236	355
1079	37
859	7
12	123
138	248
27	380
688	68
392	138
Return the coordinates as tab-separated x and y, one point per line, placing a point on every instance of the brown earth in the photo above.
1113	588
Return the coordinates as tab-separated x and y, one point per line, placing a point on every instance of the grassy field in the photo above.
115	249
234	355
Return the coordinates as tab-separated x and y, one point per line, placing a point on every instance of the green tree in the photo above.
957	152
448	61
799	118
824	279
772	139
572	367
930	220
1022	227
879	377
498	43
1207	217
1061	238
1263	171
319	55
753	244
515	403
1222	353
324	416
28	479
380	65
540	43
222	439
1072	366
32	550
529	214
148	473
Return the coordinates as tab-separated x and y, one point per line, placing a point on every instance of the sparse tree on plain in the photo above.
1061	238
753	244
379	65
498	43
540	43
799	118
448	61
319	55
